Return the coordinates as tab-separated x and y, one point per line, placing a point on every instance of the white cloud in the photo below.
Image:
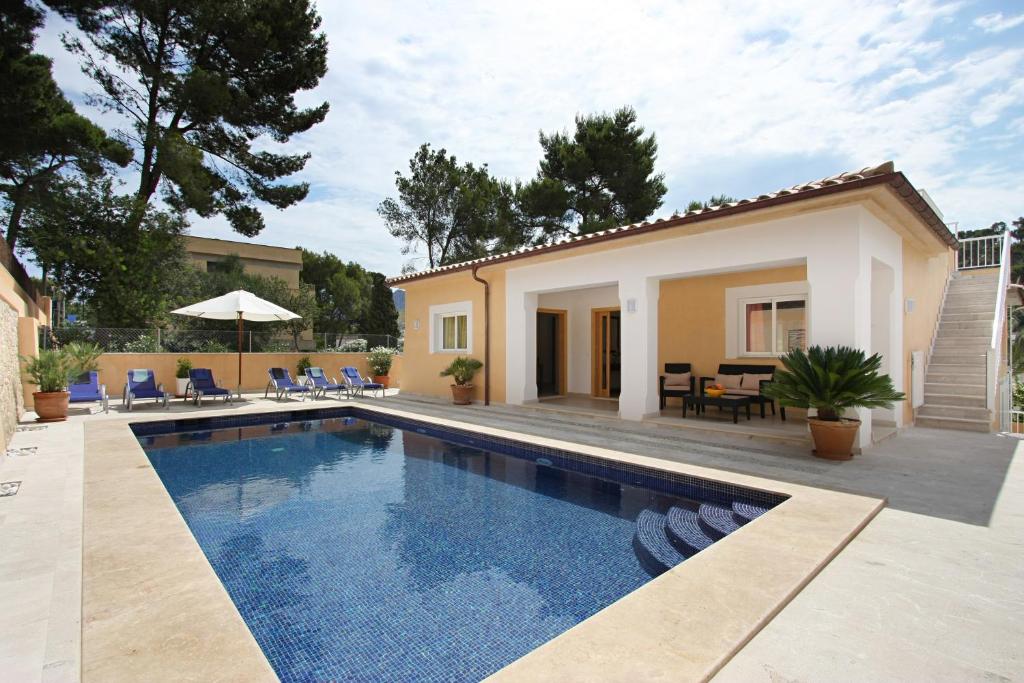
800	87
997	23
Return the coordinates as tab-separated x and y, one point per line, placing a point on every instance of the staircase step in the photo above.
943	411
988	308
960	359
954	400
955	379
651	544
981	328
685	532
717	522
975	368
985	316
959	424
956	389
746	512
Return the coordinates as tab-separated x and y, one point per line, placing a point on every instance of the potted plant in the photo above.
181	376
830	380
461	370
380	360
300	368
52	370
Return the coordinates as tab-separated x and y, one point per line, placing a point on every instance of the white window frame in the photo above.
441	311
736	300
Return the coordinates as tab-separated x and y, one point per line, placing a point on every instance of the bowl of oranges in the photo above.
714	390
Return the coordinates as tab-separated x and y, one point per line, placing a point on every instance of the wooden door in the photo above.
604	344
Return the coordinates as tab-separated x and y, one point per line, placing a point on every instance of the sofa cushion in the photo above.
744	392
677	380
729	381
753	381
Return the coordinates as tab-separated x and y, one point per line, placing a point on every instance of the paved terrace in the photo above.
932	589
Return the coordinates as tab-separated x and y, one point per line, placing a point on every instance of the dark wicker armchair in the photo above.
674	391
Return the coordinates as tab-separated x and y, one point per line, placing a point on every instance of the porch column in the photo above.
521	348
840	308
638	299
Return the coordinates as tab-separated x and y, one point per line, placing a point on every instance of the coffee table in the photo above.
700	402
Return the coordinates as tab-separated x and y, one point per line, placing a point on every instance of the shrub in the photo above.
85	356
184	365
144	344
462	369
353	346
380	359
832	379
300	367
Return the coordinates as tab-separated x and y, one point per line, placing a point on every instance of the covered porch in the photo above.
584	343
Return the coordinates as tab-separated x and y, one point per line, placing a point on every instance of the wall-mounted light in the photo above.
416	324
630	305
910	306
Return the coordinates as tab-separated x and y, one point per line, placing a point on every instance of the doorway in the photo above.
551	353
605	355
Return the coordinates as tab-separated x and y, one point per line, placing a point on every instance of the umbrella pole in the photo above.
239	356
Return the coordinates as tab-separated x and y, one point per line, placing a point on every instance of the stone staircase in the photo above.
954	384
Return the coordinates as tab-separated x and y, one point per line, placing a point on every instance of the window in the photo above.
451	328
773	326
454	332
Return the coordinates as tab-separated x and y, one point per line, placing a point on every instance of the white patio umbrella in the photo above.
240	305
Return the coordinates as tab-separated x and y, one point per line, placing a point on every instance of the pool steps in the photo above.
663	540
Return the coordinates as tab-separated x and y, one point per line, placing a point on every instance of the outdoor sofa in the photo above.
745	380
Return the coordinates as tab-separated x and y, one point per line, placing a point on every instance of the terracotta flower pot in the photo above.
381	380
462	394
833	439
51	406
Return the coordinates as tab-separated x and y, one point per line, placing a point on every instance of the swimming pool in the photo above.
359	547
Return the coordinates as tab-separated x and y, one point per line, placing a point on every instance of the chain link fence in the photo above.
120	340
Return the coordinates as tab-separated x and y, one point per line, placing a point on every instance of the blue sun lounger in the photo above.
201	383
357	384
87	389
281	382
322	384
142	384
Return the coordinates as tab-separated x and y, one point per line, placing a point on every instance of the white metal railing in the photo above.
981	252
998	320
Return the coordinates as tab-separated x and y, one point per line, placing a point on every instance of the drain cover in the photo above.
21	452
9	488
30	428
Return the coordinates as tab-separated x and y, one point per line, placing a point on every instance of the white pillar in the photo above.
840	305
638	299
521	348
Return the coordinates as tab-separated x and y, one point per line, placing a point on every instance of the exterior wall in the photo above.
20	318
578	305
692	314
114	367
924	281
422	375
258	259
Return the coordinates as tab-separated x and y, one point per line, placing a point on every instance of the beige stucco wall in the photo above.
691	319
924	281
258	259
114	367
422	376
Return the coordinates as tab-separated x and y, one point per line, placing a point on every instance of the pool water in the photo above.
359	551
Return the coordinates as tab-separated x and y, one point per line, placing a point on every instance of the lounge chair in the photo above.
282	383
357	384
677	382
142	384
201	383
746	380
321	384
87	389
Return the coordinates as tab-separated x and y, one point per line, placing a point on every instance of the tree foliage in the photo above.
202	81
381	315
714	200
87	241
600	177
41	134
455	212
341	290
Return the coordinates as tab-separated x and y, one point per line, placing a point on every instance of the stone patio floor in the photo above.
932	589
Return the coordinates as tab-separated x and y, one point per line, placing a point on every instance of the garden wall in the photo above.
114	367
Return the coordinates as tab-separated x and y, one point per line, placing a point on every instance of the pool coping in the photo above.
152	603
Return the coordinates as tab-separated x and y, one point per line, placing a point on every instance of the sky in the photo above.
744	98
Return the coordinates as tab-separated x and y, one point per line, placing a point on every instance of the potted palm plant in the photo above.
462	370
181	376
830	380
52	370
